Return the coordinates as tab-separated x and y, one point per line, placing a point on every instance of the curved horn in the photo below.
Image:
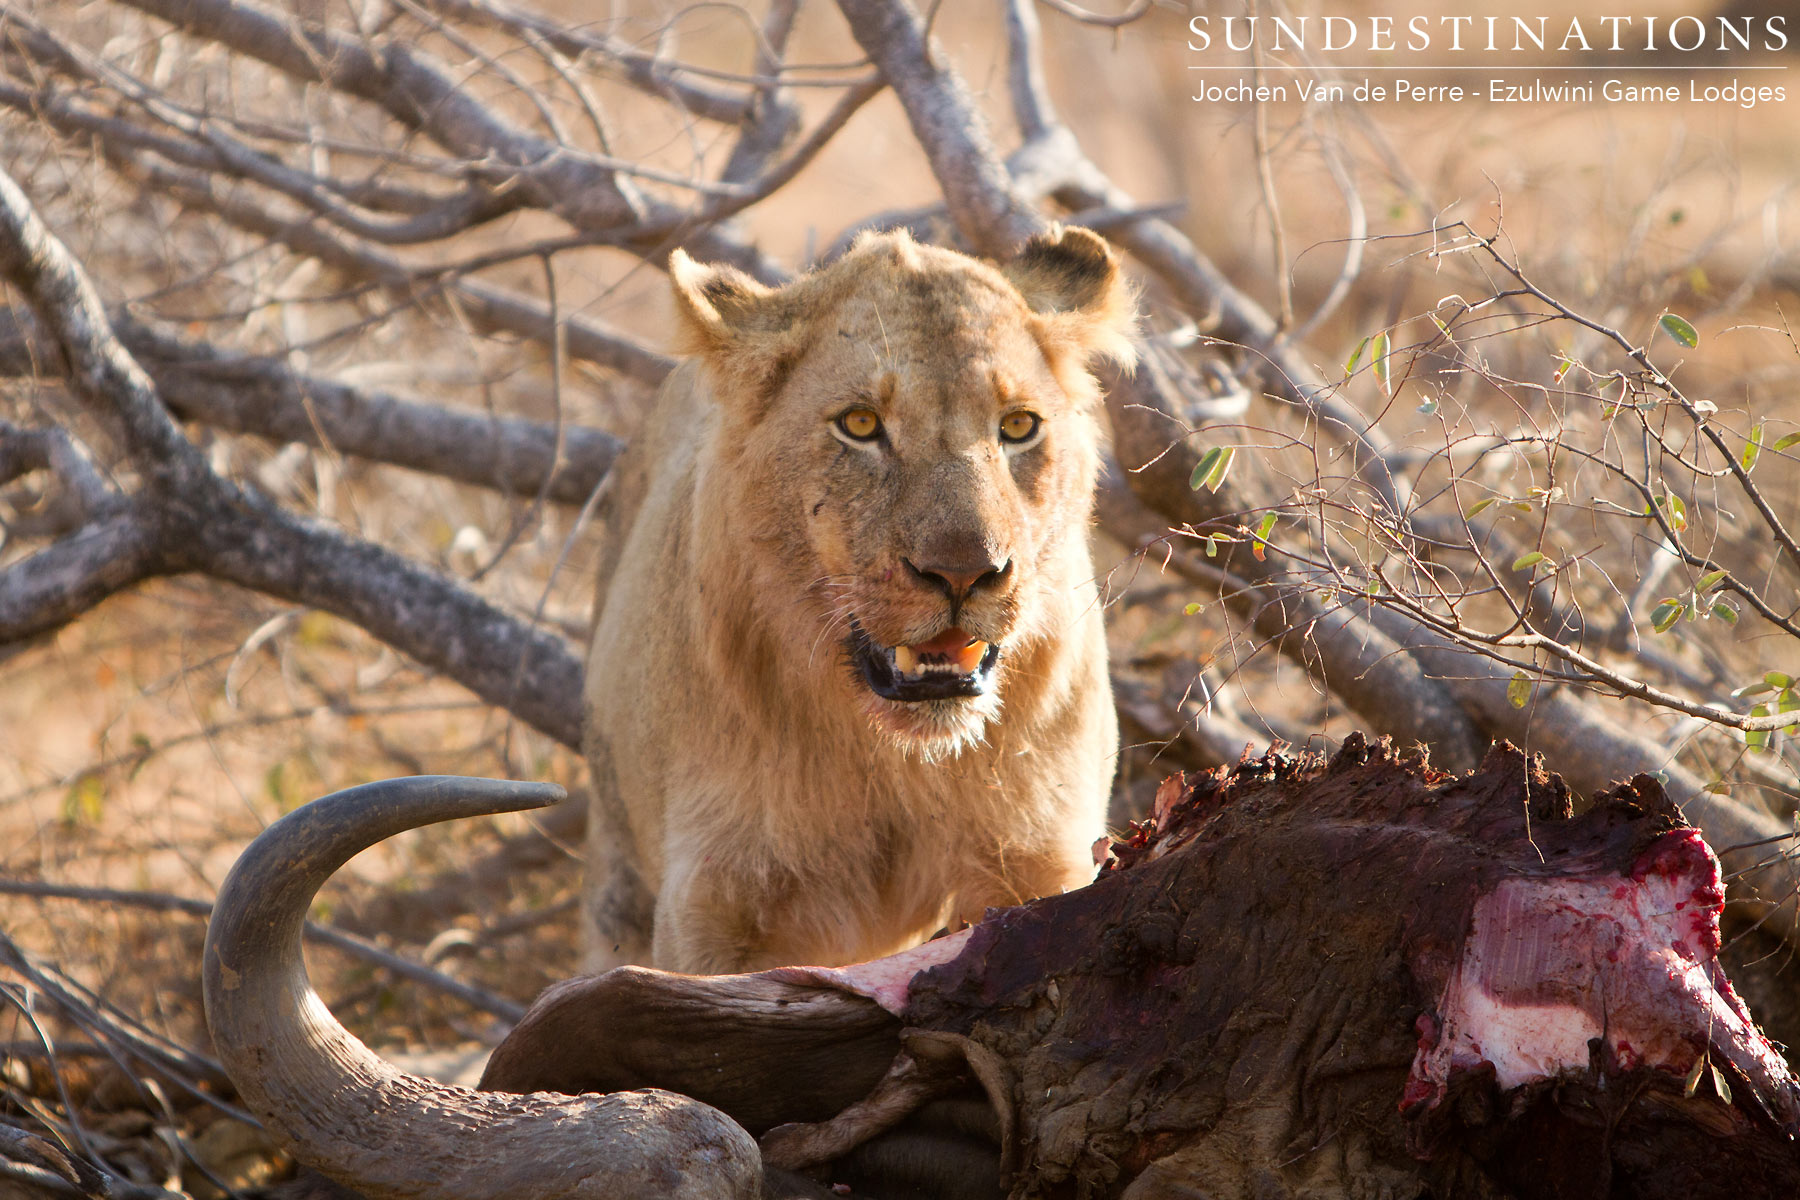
343	1110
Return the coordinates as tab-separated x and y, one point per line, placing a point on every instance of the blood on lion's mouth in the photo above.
952	664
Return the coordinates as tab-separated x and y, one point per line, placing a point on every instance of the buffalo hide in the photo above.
1298	978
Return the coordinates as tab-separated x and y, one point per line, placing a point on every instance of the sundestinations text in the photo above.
1466	33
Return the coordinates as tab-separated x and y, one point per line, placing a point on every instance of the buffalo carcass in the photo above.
1299	979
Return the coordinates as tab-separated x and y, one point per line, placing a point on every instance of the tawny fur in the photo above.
755	802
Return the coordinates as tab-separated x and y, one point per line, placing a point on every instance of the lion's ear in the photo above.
747	332
718	304
1071	278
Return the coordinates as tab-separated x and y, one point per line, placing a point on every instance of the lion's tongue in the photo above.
961	648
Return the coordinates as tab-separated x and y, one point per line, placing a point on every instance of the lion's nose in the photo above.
959	580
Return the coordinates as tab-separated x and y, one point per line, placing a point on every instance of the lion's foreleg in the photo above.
618	911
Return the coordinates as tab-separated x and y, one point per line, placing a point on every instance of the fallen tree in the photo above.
1299	977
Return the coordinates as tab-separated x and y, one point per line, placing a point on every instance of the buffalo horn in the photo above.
341	1109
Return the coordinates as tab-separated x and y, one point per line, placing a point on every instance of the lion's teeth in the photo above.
969	657
964	660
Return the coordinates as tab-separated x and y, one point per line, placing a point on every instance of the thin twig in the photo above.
324	935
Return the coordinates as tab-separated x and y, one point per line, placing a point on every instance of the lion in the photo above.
847	683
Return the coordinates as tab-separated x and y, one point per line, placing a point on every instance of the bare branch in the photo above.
101	373
1136	9
53	450
1054	162
1367	668
647	72
950	129
1660	382
323	935
42	593
489	308
211	149
420	92
267	397
188	518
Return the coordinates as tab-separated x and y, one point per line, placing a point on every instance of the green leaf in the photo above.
1719	1084
1757	739
84	802
1562	369
1355	357
1212	468
1786	701
1191	609
1723	610
1679	329
1752	450
1518	689
1708	581
275	785
1212	545
1262	535
1775	679
1677	513
1428	405
1530	559
1753	689
1480	505
1691	1084
1664	615
1378	358
1784	441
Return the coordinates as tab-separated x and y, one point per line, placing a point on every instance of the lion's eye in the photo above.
860	424
1019	425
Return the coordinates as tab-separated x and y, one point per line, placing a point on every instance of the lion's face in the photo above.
911	434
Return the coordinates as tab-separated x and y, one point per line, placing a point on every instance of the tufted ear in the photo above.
1071	278
747	332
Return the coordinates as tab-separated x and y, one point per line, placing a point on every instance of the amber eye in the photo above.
860	424
1020	425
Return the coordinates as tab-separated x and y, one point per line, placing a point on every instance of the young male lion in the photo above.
848	677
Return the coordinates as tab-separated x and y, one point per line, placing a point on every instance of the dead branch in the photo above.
267	397
1053	160
1133	11
188	518
949	129
657	76
324	935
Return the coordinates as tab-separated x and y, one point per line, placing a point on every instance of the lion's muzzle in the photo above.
953	664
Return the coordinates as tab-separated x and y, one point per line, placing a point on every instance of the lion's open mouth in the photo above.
954	663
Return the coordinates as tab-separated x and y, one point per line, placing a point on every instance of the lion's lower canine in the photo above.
848	678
